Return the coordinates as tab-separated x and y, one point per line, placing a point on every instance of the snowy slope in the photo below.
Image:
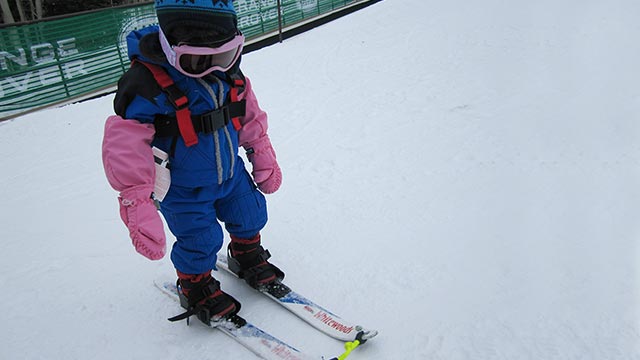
462	176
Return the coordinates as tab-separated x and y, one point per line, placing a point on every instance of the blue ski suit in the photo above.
209	182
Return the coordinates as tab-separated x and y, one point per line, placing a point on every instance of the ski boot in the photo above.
200	295
248	259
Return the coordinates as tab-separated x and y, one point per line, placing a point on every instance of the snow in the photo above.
462	176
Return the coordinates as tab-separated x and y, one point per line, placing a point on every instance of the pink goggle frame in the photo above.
221	58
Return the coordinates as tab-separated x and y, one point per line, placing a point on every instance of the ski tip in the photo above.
365	335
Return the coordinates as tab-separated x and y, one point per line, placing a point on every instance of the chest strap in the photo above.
206	123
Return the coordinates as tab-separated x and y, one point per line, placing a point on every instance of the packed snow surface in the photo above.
463	176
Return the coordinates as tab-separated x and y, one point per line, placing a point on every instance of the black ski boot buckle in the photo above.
254	268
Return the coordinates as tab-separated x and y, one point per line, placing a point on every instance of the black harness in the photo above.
183	123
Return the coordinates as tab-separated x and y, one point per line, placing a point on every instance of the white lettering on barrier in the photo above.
20	84
257	11
67	47
40	54
49	76
257	18
244	6
43	53
20	59
74	68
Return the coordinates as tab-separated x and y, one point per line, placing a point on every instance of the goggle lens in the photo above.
196	61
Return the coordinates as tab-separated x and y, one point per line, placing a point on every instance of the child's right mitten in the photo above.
140	215
129	165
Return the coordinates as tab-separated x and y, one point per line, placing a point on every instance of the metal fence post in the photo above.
280	20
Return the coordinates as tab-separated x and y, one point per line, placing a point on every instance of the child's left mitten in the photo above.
266	171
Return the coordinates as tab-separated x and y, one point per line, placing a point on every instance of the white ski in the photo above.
317	316
258	341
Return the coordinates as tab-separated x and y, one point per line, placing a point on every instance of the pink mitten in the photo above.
129	166
266	172
139	213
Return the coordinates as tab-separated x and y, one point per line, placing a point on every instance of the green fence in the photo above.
58	60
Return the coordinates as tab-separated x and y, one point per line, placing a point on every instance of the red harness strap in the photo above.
235	91
179	101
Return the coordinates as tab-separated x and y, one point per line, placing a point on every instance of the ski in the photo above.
258	341
312	313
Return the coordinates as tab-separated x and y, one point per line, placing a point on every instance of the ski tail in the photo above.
256	340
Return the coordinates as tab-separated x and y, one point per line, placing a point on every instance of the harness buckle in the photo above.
206	123
226	114
177	98
213	120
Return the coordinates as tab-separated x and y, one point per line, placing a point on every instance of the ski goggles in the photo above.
198	61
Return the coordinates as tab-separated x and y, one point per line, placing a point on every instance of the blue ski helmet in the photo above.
217	16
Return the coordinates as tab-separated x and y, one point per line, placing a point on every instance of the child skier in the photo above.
185	96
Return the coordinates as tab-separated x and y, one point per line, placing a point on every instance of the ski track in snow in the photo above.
462	177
